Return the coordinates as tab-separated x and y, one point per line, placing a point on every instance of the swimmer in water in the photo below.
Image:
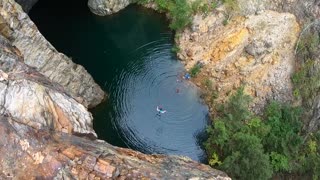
160	110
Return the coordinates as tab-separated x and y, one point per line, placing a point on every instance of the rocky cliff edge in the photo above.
39	53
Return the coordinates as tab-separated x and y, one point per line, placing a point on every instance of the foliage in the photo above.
208	83
231	5
235	137
180	11
195	6
180	14
306	78
310	157
306	81
279	162
195	70
308	45
214	4
175	49
247	161
251	147
285	123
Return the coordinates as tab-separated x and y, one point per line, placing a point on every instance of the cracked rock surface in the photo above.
40	54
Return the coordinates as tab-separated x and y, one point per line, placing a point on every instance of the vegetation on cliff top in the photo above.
181	11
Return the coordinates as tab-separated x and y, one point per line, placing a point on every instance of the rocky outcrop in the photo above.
39	53
26	4
31	99
302	9
44	155
256	51
106	7
38	121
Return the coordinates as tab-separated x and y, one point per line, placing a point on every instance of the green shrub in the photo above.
195	70
231	5
208	83
195	6
180	14
251	147
308	45
175	49
214	4
248	160
180	11
306	81
205	9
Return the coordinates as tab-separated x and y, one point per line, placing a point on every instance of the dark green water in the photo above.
128	54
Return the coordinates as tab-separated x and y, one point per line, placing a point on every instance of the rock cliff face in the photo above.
105	7
302	9
39	53
49	155
33	100
38	121
256	51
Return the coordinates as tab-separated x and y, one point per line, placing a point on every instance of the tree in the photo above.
247	161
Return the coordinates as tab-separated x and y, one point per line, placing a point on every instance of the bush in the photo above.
231	5
175	49
180	14
306	81
308	45
248	160
251	147
195	70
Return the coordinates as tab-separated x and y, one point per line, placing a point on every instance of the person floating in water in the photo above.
160	110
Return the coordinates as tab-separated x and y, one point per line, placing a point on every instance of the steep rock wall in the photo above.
256	51
33	100
39	53
50	155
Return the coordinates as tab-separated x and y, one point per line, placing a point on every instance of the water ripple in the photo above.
151	80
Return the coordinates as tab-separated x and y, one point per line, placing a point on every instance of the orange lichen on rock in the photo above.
228	44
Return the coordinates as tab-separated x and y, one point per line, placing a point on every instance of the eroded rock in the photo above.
48	155
39	53
31	99
106	7
302	9
256	51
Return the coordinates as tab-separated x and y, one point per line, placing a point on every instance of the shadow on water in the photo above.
129	55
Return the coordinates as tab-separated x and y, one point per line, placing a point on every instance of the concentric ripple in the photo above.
129	55
144	86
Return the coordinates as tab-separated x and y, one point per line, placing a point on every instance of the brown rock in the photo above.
252	49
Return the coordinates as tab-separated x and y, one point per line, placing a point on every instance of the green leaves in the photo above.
248	160
251	147
279	162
